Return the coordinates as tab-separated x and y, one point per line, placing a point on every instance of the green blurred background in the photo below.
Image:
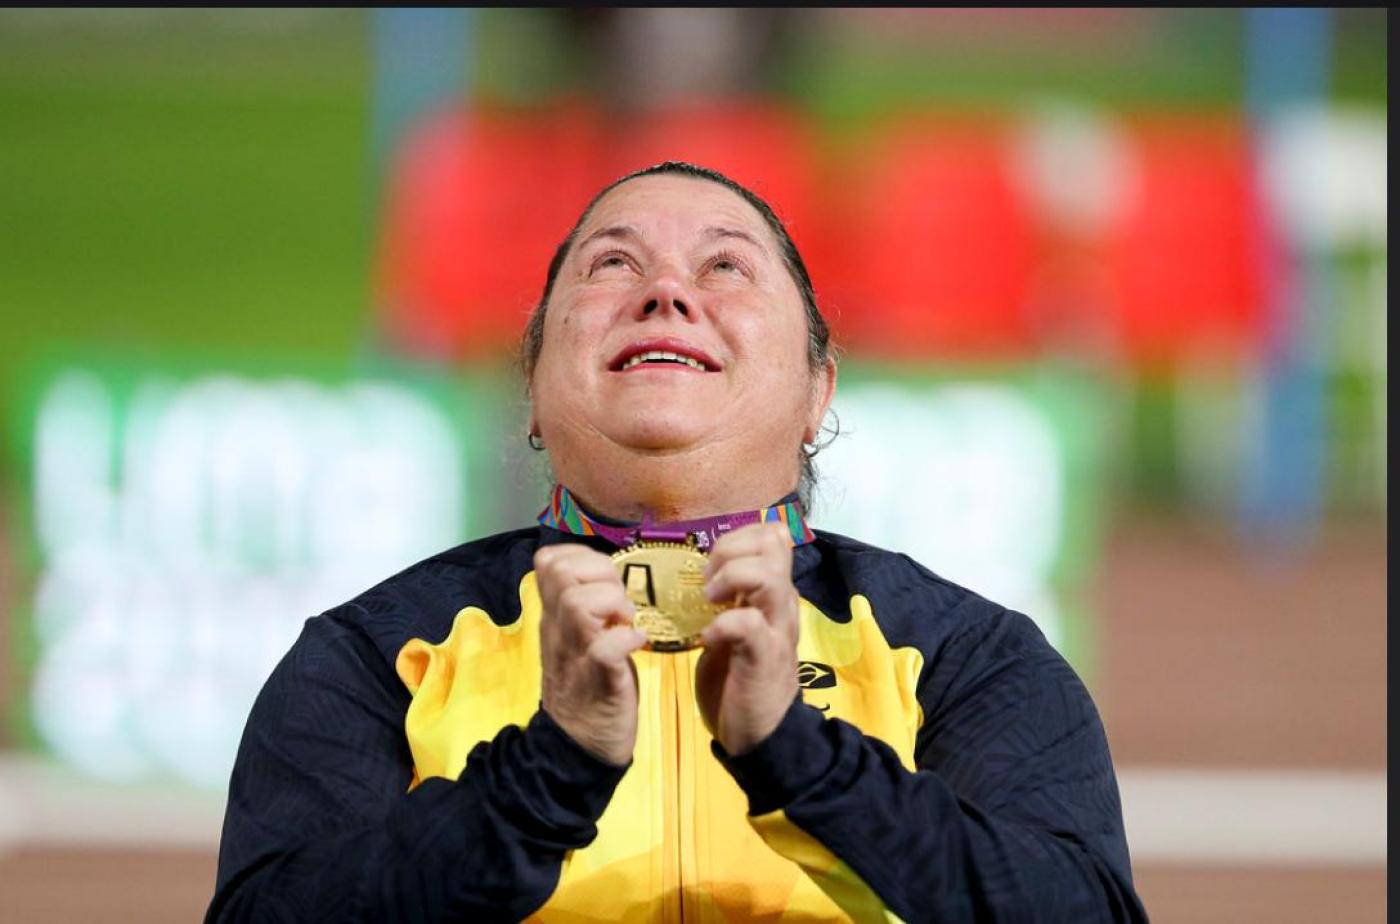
198	192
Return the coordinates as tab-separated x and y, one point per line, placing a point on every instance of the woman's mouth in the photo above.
663	353
662	356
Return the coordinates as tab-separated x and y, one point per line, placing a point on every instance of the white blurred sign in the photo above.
1325	170
966	479
187	533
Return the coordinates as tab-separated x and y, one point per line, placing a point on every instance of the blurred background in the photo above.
1110	287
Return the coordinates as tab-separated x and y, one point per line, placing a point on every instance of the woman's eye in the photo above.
725	263
610	261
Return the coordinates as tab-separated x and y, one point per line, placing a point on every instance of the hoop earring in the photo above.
535	442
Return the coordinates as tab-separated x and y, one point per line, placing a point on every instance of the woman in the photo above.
485	736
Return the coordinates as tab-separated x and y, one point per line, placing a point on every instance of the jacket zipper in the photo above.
671	910
680	851
685	783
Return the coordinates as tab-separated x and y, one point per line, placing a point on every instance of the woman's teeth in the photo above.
653	356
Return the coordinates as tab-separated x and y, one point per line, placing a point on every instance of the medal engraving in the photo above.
665	581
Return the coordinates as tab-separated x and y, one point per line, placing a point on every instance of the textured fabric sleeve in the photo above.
1012	815
320	826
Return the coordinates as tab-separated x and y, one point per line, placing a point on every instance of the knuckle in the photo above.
599	654
548	567
572	599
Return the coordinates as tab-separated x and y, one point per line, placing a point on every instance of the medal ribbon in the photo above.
564	514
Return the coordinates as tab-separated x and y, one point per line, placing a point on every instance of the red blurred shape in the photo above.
1184	266
938	247
758	145
478	201
925	248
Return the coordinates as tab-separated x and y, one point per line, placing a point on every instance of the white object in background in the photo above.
1257	817
967	479
1326	171
185	541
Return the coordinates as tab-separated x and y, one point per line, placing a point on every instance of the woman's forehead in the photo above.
683	204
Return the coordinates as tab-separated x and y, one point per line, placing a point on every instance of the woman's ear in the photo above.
823	389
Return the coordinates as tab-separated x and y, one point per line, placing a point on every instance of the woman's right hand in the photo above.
589	684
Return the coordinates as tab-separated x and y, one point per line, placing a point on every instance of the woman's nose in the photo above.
666	295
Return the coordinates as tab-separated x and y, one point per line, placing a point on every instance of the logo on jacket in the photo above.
814	675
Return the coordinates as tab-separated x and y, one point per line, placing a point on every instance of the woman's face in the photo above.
674	326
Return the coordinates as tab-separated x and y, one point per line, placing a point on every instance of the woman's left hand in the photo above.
747	676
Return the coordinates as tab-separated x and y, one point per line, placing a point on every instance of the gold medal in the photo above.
665	581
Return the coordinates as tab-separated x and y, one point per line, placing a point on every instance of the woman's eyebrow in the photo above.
721	232
616	232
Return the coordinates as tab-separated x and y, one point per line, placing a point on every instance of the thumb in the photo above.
710	673
611	648
736	631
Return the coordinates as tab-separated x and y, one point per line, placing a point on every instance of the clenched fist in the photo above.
747	677
589	684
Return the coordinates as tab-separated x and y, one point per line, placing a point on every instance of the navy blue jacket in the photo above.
944	763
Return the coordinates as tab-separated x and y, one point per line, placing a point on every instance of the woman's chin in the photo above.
661	433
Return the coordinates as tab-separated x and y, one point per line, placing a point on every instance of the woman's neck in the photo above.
687	485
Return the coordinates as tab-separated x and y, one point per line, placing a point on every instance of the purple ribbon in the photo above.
564	513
